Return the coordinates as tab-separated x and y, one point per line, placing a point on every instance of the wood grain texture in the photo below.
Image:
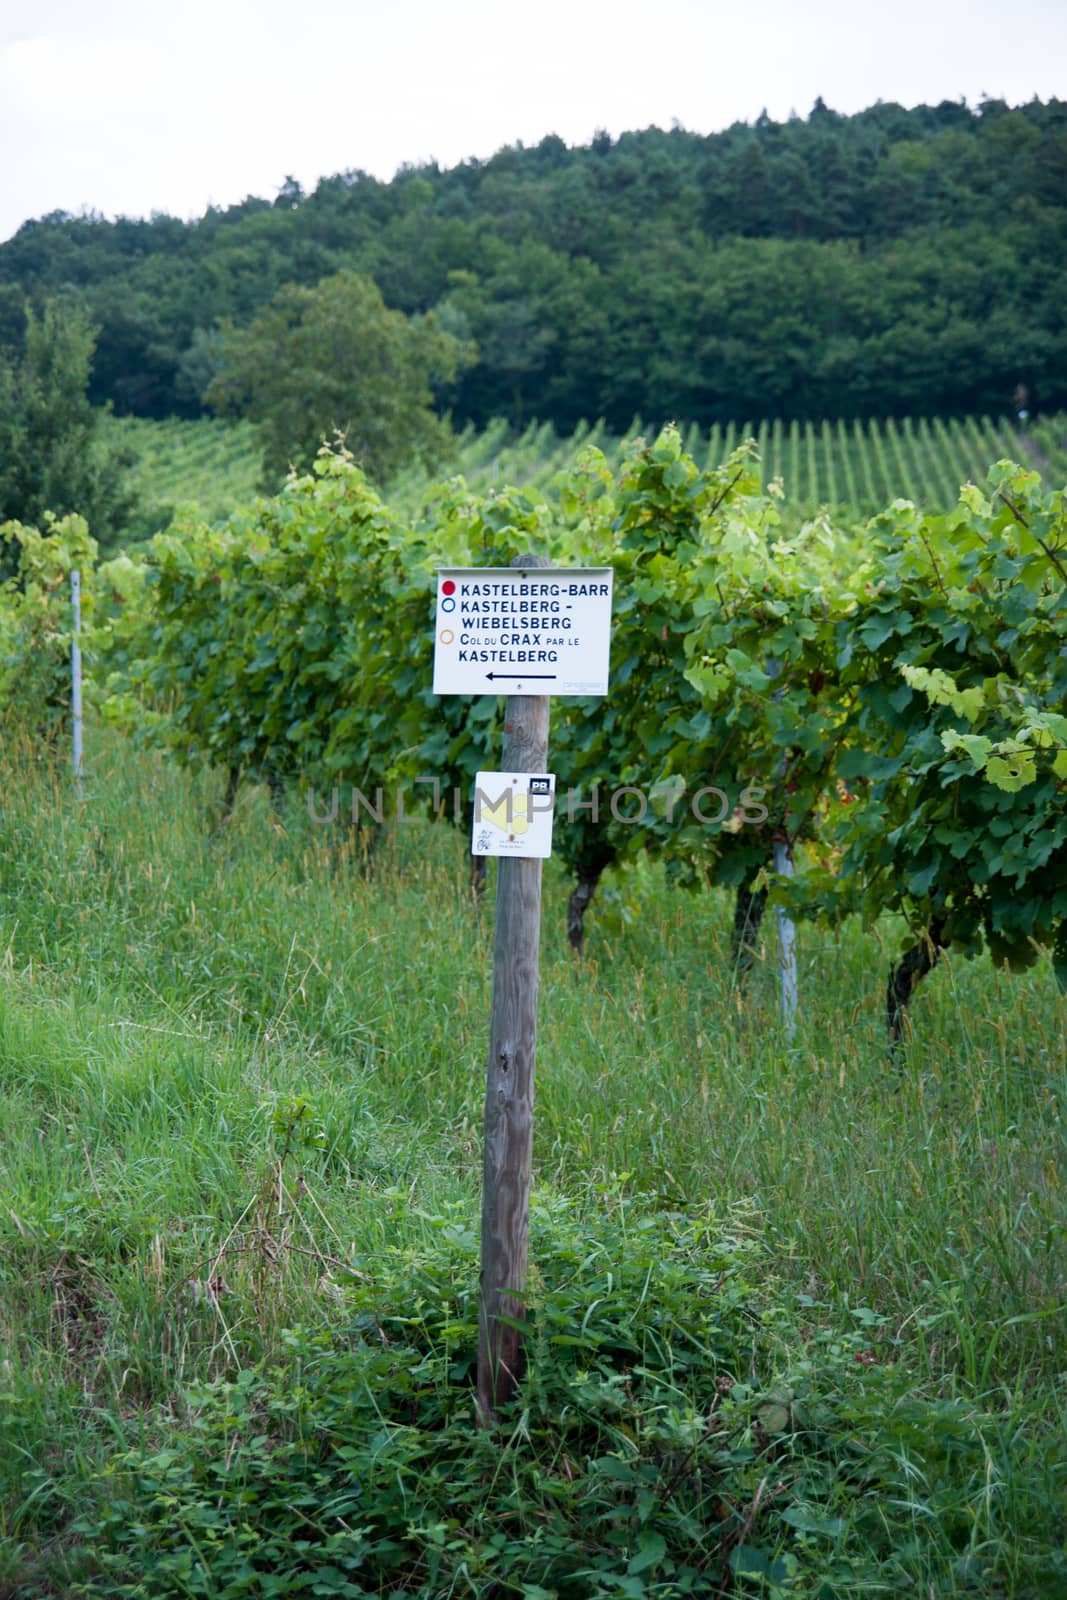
509	1088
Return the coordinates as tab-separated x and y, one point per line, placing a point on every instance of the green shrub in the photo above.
653	1449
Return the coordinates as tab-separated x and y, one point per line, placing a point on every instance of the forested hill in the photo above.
889	263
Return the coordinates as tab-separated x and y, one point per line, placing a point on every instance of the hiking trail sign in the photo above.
513	814
530	631
533	631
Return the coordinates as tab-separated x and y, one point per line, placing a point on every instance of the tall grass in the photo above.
233	1055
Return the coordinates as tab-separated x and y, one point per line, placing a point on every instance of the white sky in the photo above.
134	106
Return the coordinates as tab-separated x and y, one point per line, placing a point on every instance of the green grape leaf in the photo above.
976	745
1011	772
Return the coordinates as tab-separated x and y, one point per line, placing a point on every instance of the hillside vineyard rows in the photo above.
853	469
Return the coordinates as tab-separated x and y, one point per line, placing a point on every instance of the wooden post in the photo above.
76	677
509	1087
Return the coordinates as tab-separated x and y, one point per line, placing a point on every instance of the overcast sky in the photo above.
135	106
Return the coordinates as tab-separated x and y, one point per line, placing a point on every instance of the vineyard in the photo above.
854	469
895	696
845	1384
211	467
851	468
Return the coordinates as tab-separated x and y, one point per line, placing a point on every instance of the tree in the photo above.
52	455
589	266
336	359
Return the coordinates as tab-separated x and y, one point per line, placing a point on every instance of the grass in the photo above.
239	1066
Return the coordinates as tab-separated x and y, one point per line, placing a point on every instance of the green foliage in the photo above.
952	676
655	1450
892	263
180	1007
250	634
208	467
53	457
36	621
211	467
335	359
652	733
890	706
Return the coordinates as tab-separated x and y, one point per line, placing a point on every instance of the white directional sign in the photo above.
513	814
536	630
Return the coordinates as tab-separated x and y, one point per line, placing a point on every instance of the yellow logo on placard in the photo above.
497	814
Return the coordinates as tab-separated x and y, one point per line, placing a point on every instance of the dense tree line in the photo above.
892	262
54	460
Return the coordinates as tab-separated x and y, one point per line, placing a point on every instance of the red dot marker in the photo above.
448	587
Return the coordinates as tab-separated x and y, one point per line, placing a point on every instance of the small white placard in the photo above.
522	630
513	814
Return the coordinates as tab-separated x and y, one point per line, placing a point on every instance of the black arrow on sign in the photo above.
551	676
